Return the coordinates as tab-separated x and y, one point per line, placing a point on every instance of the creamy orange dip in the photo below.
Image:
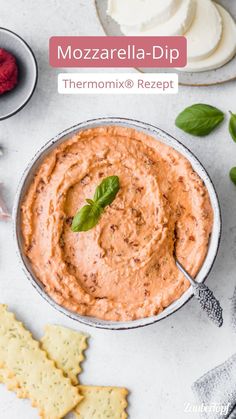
123	269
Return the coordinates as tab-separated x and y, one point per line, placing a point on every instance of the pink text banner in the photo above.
118	51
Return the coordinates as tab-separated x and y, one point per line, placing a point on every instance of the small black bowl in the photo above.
13	101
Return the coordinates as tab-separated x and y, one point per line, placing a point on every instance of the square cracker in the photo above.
65	346
34	375
8	379
102	403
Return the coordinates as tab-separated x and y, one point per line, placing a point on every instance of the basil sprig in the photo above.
232	175
232	126
89	215
199	119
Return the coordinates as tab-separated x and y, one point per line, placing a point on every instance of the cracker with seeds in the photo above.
66	347
32	373
102	403
9	380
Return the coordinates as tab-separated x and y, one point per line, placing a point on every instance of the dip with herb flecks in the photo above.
123	268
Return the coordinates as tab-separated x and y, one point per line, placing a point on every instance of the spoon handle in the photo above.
185	273
206	298
209	303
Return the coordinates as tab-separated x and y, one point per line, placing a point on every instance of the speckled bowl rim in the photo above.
31	92
161	136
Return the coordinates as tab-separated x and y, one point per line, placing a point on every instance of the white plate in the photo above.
166	139
206	78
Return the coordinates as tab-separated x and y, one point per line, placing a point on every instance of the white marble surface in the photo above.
160	362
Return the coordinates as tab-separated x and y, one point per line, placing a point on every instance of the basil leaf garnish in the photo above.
106	192
232	175
199	119
232	126
89	215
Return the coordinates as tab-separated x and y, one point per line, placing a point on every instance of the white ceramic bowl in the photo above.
161	136
13	101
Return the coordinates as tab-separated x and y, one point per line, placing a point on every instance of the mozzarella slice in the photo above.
225	50
204	34
140	14
178	24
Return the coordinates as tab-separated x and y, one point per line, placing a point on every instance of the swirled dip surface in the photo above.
124	268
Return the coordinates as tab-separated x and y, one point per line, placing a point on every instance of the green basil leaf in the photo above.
232	126
87	217
199	119
106	192
232	175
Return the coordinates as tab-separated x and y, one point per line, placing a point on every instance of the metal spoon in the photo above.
206	298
